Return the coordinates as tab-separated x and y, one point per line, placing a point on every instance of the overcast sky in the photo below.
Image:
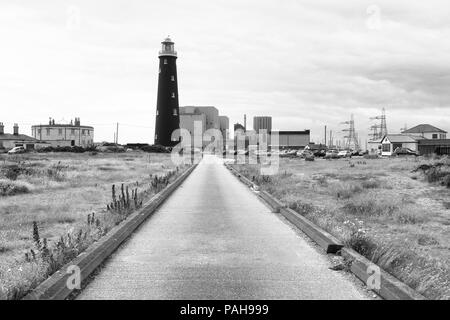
306	63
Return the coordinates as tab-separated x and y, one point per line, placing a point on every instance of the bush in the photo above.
12	172
370	184
346	190
155	149
75	149
371	205
9	188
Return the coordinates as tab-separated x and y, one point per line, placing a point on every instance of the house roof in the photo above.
399	138
293	132
19	137
46	126
423	128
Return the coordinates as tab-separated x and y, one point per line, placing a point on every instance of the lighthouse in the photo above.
167	108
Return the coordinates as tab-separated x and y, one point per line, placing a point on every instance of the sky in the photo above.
305	63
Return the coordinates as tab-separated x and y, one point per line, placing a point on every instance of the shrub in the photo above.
12	172
371	184
345	190
155	149
9	188
370	205
408	216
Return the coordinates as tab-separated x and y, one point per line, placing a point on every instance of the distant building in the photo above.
436	146
224	124
238	126
294	139
204	118
9	141
262	122
374	146
426	131
64	135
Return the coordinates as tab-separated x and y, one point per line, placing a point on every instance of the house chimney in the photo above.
16	129
2	128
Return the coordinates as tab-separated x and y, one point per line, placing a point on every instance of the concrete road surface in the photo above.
213	239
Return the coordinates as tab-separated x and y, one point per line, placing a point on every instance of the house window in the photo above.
156	137
173	94
60	132
157	112
165	61
435	136
83	132
386	147
48	131
172	78
175	113
39	131
159	70
88	132
72	132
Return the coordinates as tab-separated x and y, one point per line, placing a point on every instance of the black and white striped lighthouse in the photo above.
167	109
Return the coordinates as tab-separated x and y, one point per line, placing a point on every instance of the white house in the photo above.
426	131
64	135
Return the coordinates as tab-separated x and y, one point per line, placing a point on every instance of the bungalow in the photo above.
390	142
9	141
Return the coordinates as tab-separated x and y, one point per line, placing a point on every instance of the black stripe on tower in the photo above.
167	109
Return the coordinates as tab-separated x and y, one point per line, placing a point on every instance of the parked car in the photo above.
16	150
320	153
288	154
243	152
344	154
305	153
332	154
404	152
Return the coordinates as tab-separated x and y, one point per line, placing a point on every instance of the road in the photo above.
213	239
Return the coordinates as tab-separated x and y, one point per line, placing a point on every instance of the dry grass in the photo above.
58	191
382	208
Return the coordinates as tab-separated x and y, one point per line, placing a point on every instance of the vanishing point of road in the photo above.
214	239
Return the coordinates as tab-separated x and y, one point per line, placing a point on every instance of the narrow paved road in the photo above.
213	239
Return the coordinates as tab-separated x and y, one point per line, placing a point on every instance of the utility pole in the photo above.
331	139
117	133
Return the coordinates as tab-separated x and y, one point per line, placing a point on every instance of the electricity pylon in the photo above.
351	139
382	126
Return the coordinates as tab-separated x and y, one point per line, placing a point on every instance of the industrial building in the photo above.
64	135
203	118
293	139
262	123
